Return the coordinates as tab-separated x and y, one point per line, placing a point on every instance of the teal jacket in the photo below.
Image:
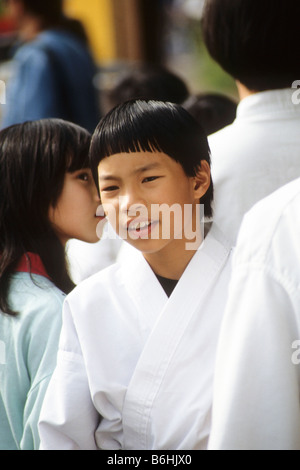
28	348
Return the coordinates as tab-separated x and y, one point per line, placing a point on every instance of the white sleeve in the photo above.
256	398
68	419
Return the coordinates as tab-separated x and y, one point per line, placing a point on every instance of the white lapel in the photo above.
144	289
170	325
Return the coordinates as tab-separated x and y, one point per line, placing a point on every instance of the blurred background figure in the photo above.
122	36
257	43
213	111
53	68
148	81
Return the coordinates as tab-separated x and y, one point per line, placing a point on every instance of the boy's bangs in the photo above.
125	140
130	146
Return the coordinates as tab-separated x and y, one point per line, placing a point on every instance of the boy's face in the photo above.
144	196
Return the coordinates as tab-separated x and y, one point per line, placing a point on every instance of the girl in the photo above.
47	196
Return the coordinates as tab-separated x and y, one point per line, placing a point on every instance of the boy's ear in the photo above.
202	180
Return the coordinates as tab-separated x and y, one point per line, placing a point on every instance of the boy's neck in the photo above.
171	263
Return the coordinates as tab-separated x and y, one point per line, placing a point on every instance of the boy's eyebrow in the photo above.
150	166
109	177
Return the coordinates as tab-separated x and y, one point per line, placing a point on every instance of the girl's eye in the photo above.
83	176
150	178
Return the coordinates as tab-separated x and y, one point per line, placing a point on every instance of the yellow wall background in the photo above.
97	17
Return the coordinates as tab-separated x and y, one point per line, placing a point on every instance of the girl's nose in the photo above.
96	195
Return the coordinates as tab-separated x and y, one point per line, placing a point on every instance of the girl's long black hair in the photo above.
34	158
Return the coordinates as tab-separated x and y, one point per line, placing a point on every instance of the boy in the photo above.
136	358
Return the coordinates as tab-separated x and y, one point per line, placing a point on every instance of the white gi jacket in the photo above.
135	368
86	259
257	378
254	156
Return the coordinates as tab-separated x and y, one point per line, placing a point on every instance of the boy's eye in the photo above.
150	178
110	188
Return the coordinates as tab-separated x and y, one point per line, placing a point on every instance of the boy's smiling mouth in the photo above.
138	225
140	228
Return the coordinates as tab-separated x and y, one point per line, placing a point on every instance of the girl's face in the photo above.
74	215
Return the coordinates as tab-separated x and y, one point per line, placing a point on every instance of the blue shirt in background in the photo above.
53	78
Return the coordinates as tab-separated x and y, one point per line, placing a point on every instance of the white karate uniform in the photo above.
135	368
257	378
254	156
86	259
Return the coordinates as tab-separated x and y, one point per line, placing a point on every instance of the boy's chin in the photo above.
146	246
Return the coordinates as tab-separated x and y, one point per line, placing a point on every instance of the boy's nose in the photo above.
131	201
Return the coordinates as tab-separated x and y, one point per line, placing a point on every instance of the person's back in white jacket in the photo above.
257	377
259	152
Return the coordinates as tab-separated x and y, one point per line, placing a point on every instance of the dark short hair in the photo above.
140	125
255	41
148	82
212	110
51	10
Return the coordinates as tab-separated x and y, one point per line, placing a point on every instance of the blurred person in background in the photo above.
53	67
148	81
212	110
256	42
